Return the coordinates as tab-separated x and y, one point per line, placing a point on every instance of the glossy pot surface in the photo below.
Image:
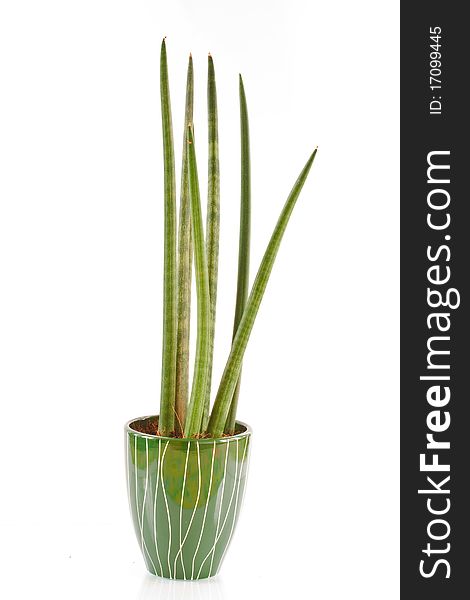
185	496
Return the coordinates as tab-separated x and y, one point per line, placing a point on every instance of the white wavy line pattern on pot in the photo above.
155	509
233	503
212	550
236	506
167	511
181	514
228	510
205	511
220	531
180	551
139	520
145	489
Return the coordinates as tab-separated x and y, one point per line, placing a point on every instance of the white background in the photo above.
81	287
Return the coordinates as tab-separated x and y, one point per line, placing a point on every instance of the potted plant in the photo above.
187	467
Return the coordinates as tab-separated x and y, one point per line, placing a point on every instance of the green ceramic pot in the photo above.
185	497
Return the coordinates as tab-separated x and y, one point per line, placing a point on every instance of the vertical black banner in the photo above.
435	332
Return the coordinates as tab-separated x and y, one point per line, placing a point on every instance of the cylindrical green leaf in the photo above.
232	368
213	220
244	241
198	390
184	270
167	399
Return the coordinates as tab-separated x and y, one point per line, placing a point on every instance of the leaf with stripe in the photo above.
213	221
198	390
244	241
168	382
184	269
233	366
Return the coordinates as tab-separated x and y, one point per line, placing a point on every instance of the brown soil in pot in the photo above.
149	426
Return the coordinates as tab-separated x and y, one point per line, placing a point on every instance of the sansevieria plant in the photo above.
187	466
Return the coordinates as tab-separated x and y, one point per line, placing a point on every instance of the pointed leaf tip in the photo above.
312	157
163	49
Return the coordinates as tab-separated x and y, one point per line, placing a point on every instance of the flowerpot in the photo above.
185	496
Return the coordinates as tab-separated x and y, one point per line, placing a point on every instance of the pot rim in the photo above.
248	431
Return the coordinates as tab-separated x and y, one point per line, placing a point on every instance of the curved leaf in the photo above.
233	366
